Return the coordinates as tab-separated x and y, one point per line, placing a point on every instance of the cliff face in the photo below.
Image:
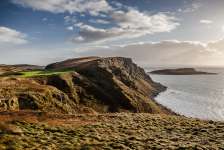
93	84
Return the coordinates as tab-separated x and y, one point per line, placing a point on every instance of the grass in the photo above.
109	131
42	73
35	73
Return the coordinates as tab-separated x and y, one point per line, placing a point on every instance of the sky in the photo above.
151	32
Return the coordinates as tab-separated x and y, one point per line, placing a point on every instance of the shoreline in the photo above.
164	108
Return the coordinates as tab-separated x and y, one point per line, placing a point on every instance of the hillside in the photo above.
90	84
17	68
36	130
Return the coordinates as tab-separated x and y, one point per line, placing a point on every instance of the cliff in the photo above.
90	84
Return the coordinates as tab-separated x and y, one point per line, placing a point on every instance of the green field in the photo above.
27	74
35	73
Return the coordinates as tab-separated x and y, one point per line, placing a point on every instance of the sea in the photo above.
196	96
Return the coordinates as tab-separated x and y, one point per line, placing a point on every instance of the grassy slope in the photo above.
112	131
43	73
34	73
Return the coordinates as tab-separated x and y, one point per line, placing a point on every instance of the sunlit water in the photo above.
199	96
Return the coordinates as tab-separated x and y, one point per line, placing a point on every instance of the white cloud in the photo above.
93	7
130	24
70	28
89	33
117	4
78	39
11	36
99	21
70	19
204	21
67	18
136	21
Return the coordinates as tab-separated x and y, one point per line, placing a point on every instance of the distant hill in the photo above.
180	71
17	68
28	67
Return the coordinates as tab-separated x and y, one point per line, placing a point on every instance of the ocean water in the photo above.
198	96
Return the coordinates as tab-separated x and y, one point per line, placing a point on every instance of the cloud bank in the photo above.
167	53
130	24
11	36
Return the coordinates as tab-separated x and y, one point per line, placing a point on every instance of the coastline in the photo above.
168	111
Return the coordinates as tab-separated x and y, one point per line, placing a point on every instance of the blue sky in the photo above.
44	31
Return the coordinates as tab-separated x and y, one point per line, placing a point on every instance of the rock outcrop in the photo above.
93	84
27	94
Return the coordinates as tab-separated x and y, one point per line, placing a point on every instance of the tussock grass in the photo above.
36	73
113	131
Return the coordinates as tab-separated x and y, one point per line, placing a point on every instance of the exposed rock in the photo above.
115	84
9	103
93	84
23	94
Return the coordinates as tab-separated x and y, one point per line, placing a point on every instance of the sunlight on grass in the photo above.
43	73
